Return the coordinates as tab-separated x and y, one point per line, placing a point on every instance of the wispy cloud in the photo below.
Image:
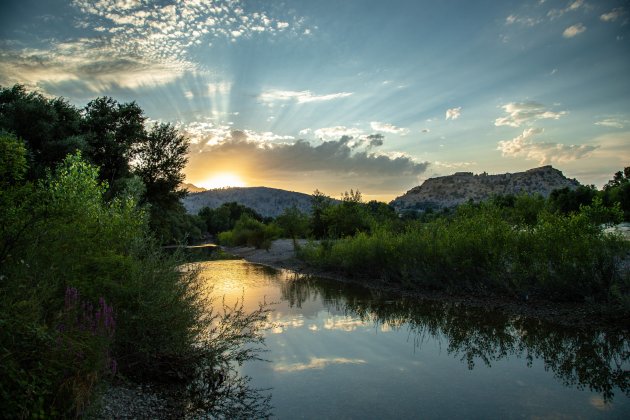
301	97
388	128
524	146
572	6
453	113
328	133
613	122
522	20
136	43
524	113
573	30
613	15
317	363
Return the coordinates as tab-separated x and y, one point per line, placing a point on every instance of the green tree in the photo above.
12	160
50	127
160	161
112	131
320	202
347	218
224	217
294	224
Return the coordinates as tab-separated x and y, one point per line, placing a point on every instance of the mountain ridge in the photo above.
461	187
268	202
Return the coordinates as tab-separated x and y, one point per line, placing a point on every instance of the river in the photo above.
339	350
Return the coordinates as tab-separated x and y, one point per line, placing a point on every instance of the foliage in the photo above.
71	262
112	136
160	158
224	217
13	164
49	127
250	232
567	201
294	223
617	190
319	204
482	248
112	131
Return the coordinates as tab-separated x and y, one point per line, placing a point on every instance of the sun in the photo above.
222	180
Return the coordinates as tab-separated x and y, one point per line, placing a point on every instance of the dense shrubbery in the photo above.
112	136
224	217
484	247
86	292
250	232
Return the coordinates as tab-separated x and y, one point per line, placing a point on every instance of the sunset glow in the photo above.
222	180
308	95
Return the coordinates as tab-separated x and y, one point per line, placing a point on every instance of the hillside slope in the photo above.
451	190
268	202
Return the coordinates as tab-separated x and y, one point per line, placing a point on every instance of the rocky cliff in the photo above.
451	190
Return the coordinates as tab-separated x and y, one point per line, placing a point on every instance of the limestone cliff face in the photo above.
451	190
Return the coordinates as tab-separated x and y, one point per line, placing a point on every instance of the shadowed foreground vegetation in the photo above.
87	294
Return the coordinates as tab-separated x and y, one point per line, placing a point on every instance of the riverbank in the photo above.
281	255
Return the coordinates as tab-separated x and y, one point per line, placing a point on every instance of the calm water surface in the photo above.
343	351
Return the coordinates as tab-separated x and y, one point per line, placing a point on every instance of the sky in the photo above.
355	94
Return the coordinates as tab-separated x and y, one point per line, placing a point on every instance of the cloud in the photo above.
545	153
136	43
454	165
328	133
270	159
525	21
301	97
613	122
453	113
375	140
524	113
573	6
613	15
388	128
91	64
341	156
317	363
573	30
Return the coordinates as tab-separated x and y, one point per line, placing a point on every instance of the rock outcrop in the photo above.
451	190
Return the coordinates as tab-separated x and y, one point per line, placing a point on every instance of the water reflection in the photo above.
593	360
339	349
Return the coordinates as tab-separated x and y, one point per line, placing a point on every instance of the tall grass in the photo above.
561	257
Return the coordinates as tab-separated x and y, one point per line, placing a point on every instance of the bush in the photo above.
71	263
561	257
250	232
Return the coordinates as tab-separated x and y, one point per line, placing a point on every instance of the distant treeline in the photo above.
522	245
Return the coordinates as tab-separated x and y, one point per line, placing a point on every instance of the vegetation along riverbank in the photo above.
87	295
90	197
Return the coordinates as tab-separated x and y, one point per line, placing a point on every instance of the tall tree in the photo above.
49	127
160	159
112	130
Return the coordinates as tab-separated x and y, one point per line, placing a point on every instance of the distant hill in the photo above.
268	202
451	190
191	188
